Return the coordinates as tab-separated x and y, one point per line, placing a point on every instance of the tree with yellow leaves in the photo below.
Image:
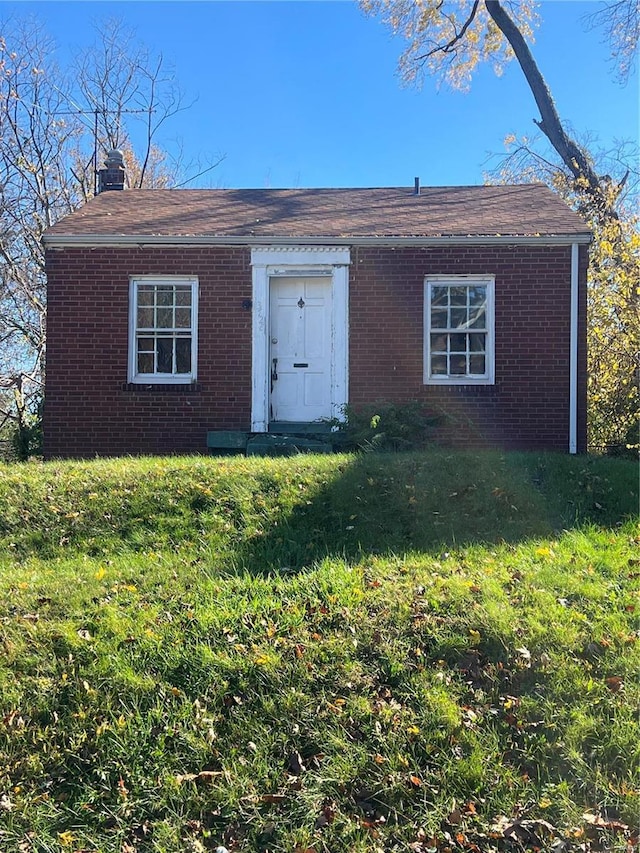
449	38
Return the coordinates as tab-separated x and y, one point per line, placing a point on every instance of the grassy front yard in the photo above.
421	653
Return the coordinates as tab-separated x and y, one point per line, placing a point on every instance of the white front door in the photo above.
300	349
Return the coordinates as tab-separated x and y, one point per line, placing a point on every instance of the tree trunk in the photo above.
572	155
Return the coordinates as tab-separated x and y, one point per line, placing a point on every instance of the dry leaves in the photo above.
202	776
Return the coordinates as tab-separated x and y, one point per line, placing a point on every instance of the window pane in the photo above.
145	294
477	343
165	318
438	365
145	362
477	318
145	318
183	295
438	318
458	295
165	355
146	345
183	355
439	295
183	318
438	343
458	365
164	295
477	365
457	343
458	318
477	296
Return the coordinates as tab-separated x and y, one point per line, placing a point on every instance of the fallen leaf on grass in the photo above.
614	683
455	817
525	831
273	798
25	845
203	775
327	815
603	823
423	843
372	823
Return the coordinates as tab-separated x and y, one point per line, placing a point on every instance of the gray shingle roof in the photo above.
520	210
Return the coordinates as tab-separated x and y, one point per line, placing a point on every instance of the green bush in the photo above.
26	435
386	426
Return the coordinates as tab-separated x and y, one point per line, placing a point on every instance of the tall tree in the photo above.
55	126
449	38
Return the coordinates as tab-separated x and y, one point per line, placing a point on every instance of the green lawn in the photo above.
420	652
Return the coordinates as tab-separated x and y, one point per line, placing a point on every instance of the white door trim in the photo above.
267	262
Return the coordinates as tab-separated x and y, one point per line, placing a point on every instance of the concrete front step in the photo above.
268	444
227	439
283	439
316	428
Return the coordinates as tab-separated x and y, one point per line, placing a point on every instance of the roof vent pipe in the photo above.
417	185
113	176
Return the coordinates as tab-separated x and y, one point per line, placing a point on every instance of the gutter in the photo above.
573	351
63	241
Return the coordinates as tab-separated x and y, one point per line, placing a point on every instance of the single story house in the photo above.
173	314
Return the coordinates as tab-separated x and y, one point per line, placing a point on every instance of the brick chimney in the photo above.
113	177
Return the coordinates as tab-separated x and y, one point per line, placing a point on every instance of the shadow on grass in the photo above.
395	503
265	515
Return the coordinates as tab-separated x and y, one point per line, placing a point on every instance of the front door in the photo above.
300	349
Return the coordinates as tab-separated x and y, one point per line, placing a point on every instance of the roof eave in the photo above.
61	241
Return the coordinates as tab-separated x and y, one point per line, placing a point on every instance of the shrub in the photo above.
385	426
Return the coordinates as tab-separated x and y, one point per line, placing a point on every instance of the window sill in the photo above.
162	387
459	383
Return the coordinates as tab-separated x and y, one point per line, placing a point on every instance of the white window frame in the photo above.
487	281
162	378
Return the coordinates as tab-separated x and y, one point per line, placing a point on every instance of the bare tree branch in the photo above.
572	155
48	152
620	21
449	46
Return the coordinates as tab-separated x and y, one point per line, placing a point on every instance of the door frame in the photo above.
301	261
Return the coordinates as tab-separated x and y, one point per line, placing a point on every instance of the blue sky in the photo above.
306	93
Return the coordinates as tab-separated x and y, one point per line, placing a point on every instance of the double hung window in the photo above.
163	329
459	330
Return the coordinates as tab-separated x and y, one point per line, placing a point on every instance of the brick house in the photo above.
175	313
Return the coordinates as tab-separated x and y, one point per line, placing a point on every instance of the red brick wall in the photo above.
528	406
89	408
